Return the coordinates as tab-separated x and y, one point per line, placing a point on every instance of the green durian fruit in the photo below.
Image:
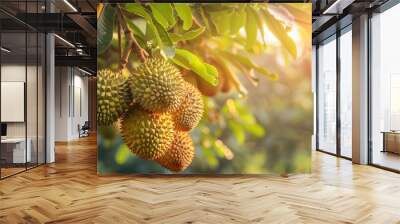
148	135
191	110
180	155
113	96
157	86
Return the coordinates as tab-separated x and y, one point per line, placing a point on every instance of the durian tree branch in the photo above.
119	40
132	44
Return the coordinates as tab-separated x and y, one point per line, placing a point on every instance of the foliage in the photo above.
215	42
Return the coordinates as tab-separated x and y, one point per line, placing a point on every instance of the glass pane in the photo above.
327	97
13	86
31	98
386	89
346	94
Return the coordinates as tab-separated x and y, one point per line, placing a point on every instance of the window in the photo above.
346	93
327	96
385	89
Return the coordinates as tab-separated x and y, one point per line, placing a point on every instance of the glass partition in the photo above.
13	94
327	96
346	93
385	89
22	88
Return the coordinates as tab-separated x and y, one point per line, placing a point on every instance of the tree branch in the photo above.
132	44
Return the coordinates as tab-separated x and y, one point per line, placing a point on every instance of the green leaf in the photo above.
139	10
276	27
105	27
137	32
163	13
260	24
246	117
164	41
138	26
210	29
153	29
222	21
190	61
265	72
189	35
185	14
219	150
245	61
122	155
251	28
211	70
237	131
211	160
225	64
238	21
255	129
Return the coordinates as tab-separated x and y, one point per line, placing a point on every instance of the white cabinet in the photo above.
19	155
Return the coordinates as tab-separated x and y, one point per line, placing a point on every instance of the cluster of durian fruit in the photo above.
155	109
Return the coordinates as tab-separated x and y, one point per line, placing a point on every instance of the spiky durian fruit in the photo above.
157	86
191	110
148	135
113	96
180	155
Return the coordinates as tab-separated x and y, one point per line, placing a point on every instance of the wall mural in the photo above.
221	88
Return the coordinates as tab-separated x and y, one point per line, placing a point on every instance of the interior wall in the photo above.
71	102
61	103
16	73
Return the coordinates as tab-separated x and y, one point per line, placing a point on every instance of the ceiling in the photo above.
331	15
74	22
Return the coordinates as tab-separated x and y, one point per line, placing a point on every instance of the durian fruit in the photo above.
180	155
113	96
157	86
148	135
191	110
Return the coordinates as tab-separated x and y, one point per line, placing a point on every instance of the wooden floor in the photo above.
69	191
5	172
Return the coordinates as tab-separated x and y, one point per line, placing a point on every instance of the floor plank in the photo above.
70	191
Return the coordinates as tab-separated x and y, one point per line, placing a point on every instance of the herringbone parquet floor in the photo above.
69	191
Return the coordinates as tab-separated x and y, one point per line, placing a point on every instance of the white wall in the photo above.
33	127
71	94
61	103
16	73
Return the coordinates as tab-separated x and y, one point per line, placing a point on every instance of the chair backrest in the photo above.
86	125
